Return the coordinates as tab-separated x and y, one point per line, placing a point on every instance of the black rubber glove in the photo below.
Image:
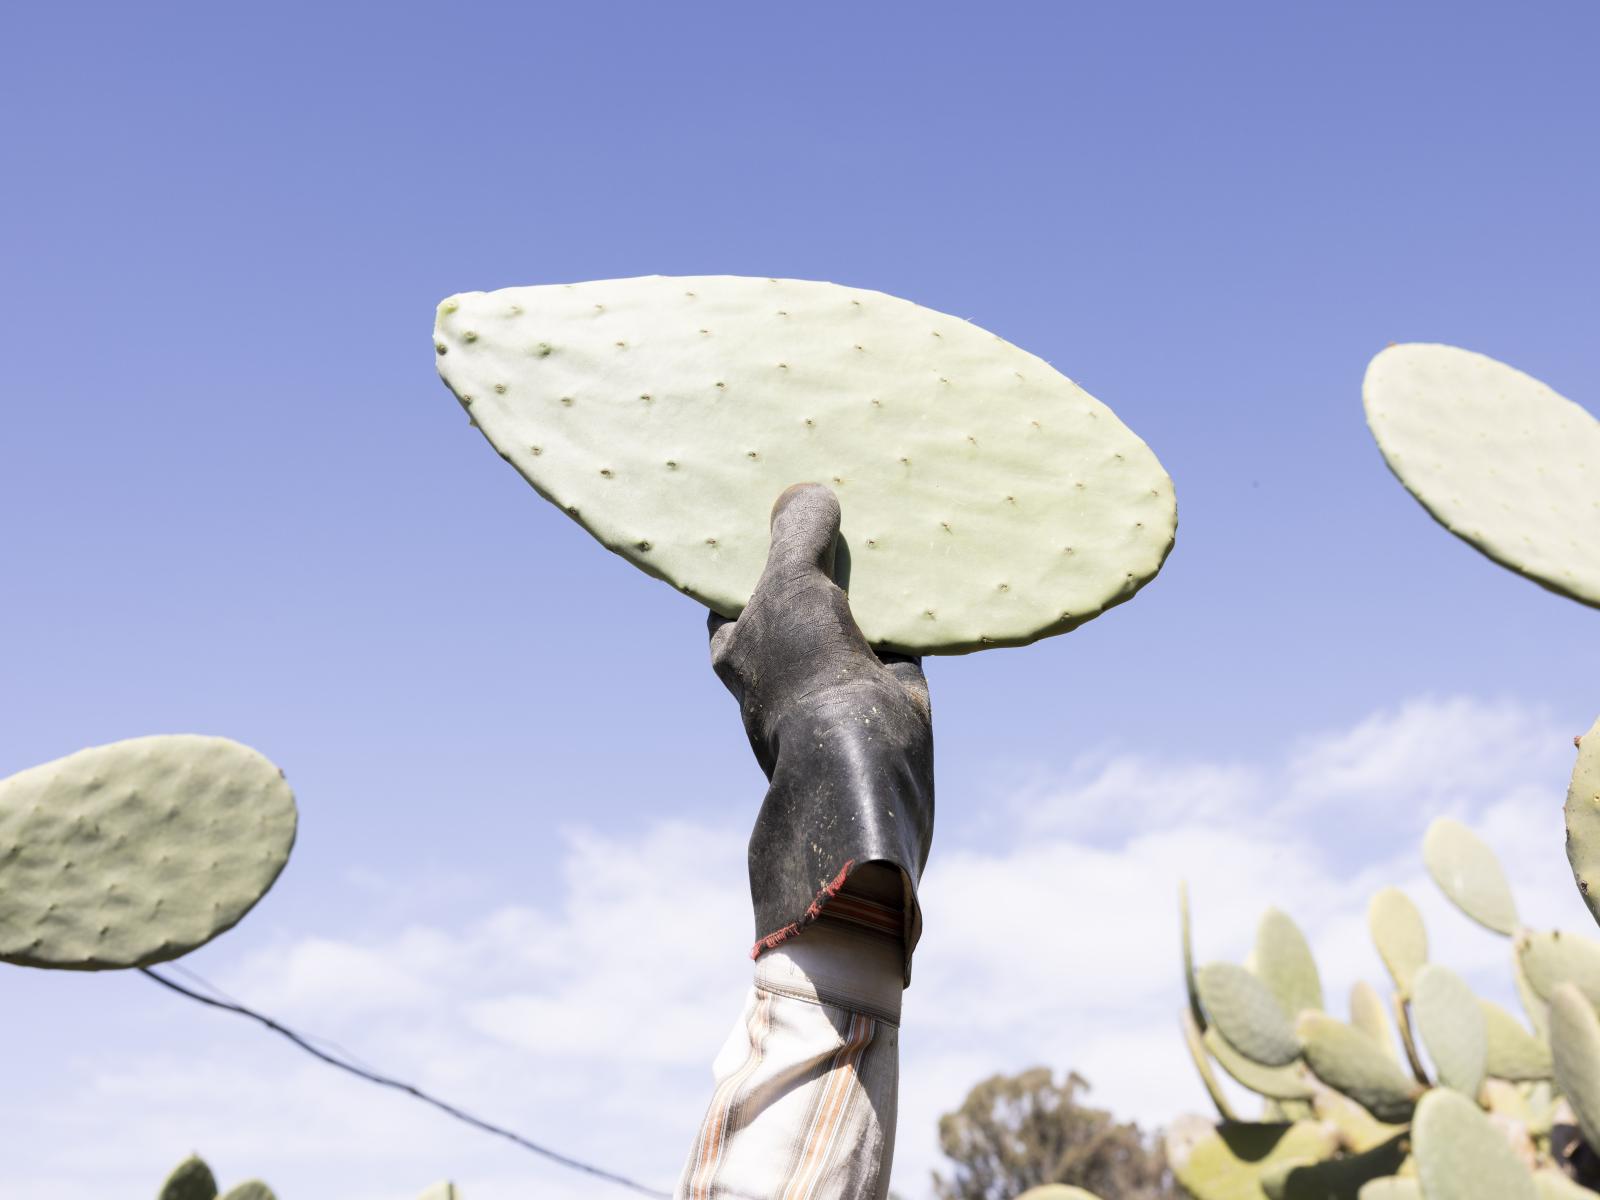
844	734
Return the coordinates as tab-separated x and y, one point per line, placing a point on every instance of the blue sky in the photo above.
234	497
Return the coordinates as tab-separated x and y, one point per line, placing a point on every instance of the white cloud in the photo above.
590	1022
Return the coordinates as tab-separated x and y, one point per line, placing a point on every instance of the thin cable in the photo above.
333	1047
397	1085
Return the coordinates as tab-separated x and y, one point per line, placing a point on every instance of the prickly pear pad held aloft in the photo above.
137	852
988	500
1496	457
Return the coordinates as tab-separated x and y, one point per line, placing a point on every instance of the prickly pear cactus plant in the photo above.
192	1180
988	500
1472	1105
137	852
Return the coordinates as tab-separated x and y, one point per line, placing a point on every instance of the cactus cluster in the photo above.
192	1179
1443	1096
988	499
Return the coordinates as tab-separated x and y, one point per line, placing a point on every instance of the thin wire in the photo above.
384	1081
333	1047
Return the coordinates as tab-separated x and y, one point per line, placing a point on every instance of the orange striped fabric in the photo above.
712	1139
839	1090
857	910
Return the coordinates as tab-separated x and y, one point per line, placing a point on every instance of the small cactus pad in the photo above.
988	500
137	852
252	1189
1398	932
1247	1014
1551	959
1195	1040
1392	1187
1283	961
1514	1053
1583	819
1186	938
1057	1191
1227	1162
1468	872
1496	457
1348	1061
444	1190
1575	1040
190	1180
1452	1027
1368	1014
1534	1005
1554	1185
1462	1156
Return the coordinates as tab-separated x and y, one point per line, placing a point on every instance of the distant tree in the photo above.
1015	1132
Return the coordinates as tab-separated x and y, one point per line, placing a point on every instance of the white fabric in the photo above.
805	1095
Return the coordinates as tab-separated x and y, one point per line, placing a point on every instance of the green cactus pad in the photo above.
988	500
1468	872
1195	1040
1283	961
442	1191
1186	936
1278	1083
1391	1188
1346	1060
190	1180
1398	932
252	1189
1583	819
1551	959
1575	1042
137	852
1452	1027
1247	1014
1514	1053
1553	1185
1496	457
1367	1013
1227	1162
1057	1191
1462	1156
1533	1004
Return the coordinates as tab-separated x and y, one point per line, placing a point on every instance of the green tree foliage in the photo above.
1014	1132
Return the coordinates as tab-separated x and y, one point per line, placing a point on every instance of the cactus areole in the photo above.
988	500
